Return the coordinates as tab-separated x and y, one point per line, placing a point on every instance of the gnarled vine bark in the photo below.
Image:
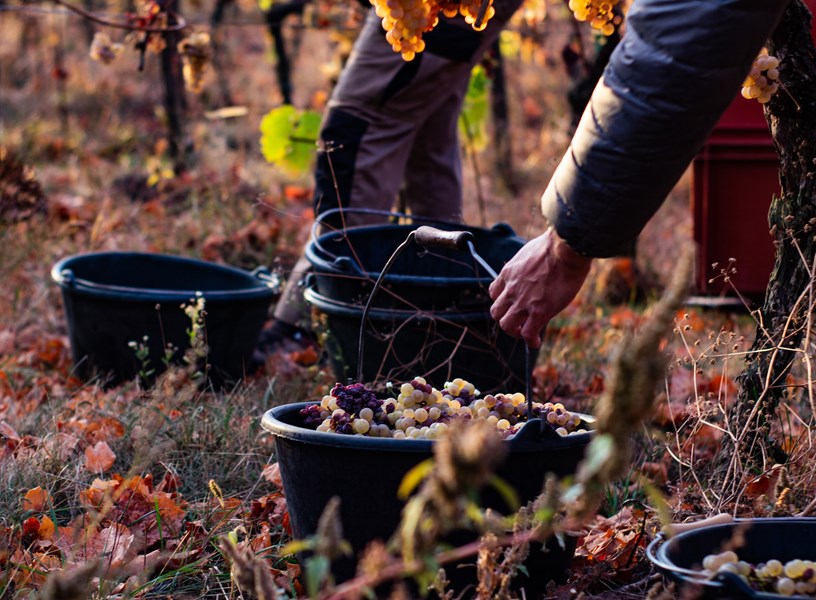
789	299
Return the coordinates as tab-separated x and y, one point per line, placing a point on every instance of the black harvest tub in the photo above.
113	299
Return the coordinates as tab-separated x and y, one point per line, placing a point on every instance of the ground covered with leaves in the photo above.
172	489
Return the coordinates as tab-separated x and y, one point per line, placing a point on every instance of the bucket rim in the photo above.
263	285
659	548
326	263
346	309
273	423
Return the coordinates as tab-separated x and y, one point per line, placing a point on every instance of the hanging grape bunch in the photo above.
105	50
195	51
419	411
405	21
599	13
761	82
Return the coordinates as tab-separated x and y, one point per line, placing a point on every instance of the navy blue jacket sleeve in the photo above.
678	67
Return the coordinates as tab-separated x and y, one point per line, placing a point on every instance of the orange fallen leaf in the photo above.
273	475
297	192
36	499
47	529
305	357
99	457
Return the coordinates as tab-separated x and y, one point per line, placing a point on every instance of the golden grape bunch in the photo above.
761	82
405	21
599	13
196	52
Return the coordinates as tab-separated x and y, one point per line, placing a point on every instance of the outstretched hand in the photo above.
537	284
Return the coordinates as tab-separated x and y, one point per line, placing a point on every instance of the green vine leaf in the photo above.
289	138
473	118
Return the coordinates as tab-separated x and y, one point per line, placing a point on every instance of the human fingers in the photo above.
531	331
496	287
513	321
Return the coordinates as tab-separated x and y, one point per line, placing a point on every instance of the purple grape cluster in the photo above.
354	397
341	423
425	388
311	416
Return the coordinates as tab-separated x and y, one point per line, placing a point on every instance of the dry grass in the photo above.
233	207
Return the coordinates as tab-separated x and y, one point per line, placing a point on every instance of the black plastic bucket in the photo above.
365	473
438	345
680	558
347	263
115	298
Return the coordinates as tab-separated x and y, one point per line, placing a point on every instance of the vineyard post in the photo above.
501	124
220	73
784	316
174	101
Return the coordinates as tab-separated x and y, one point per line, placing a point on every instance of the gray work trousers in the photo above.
391	128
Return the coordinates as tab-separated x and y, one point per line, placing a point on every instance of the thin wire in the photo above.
196	21
100	18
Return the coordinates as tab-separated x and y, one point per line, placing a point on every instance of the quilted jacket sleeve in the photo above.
675	72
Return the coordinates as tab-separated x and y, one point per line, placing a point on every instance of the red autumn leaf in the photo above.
36	499
763	485
305	357
31	527
623	317
722	386
669	413
99	457
297	192
169	483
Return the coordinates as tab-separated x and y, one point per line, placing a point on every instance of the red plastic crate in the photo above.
734	177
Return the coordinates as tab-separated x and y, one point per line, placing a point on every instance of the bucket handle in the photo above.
391	216
427	236
463	241
67	277
270	279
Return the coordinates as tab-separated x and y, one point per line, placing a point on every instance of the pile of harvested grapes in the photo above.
793	577
416	410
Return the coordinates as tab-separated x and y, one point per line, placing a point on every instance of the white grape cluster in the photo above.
104	50
469	9
416	410
762	80
599	13
405	21
786	579
196	52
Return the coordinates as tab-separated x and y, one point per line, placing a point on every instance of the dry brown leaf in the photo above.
99	457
